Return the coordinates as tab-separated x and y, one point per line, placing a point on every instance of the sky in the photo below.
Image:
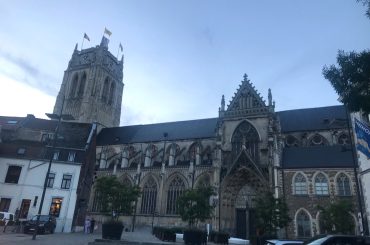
180	56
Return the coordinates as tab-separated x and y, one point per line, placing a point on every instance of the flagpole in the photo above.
83	39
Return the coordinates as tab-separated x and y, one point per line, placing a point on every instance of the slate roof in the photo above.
321	118
193	129
317	157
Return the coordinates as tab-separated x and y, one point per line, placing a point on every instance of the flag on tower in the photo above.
120	47
108	32
86	37
363	137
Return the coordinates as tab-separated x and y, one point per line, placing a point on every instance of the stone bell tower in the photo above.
92	86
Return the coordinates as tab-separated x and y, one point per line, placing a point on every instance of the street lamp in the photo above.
59	118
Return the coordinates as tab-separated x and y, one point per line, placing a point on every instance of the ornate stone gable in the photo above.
245	102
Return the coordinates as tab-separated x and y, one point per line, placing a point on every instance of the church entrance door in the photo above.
241	223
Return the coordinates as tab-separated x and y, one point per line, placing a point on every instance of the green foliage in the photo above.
115	197
351	79
193	206
271	213
337	218
367	4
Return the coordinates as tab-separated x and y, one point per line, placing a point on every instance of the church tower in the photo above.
92	86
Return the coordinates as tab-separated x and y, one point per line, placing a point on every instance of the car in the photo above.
47	223
339	240
6	218
283	242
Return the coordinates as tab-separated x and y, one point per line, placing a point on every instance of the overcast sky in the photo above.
180	56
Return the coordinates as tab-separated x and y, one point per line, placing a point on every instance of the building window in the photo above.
56	155
300	185
4	204
13	174
317	140
291	141
66	181
25	206
71	156
21	151
343	185
56	206
149	197
50	181
321	185
175	190
245	138
303	225
343	139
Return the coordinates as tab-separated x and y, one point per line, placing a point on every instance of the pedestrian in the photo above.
92	225
87	225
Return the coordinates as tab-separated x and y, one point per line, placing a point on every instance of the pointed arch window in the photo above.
73	88
104	93
303	225
321	185
193	152
149	197
343	185
245	137
175	190
81	88
300	185
111	93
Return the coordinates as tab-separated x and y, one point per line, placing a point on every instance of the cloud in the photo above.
23	71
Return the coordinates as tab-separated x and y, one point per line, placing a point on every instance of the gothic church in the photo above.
247	149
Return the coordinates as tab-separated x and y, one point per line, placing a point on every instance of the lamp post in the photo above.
59	117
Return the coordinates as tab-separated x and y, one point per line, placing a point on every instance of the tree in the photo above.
367	4
351	79
116	198
193	206
337	218
271	213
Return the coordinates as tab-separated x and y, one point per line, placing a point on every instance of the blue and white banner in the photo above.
363	137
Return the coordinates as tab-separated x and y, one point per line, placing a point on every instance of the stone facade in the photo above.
248	149
92	87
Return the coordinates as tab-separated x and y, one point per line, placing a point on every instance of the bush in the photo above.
165	234
219	237
196	237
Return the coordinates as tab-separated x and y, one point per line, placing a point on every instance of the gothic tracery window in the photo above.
104	93
175	190
343	185
81	87
149	197
321	185
291	141
245	137
303	224
343	139
73	88
111	93
317	140
300	185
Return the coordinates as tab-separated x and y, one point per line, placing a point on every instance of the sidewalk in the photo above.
141	236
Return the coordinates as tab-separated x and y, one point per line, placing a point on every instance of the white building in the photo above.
24	158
